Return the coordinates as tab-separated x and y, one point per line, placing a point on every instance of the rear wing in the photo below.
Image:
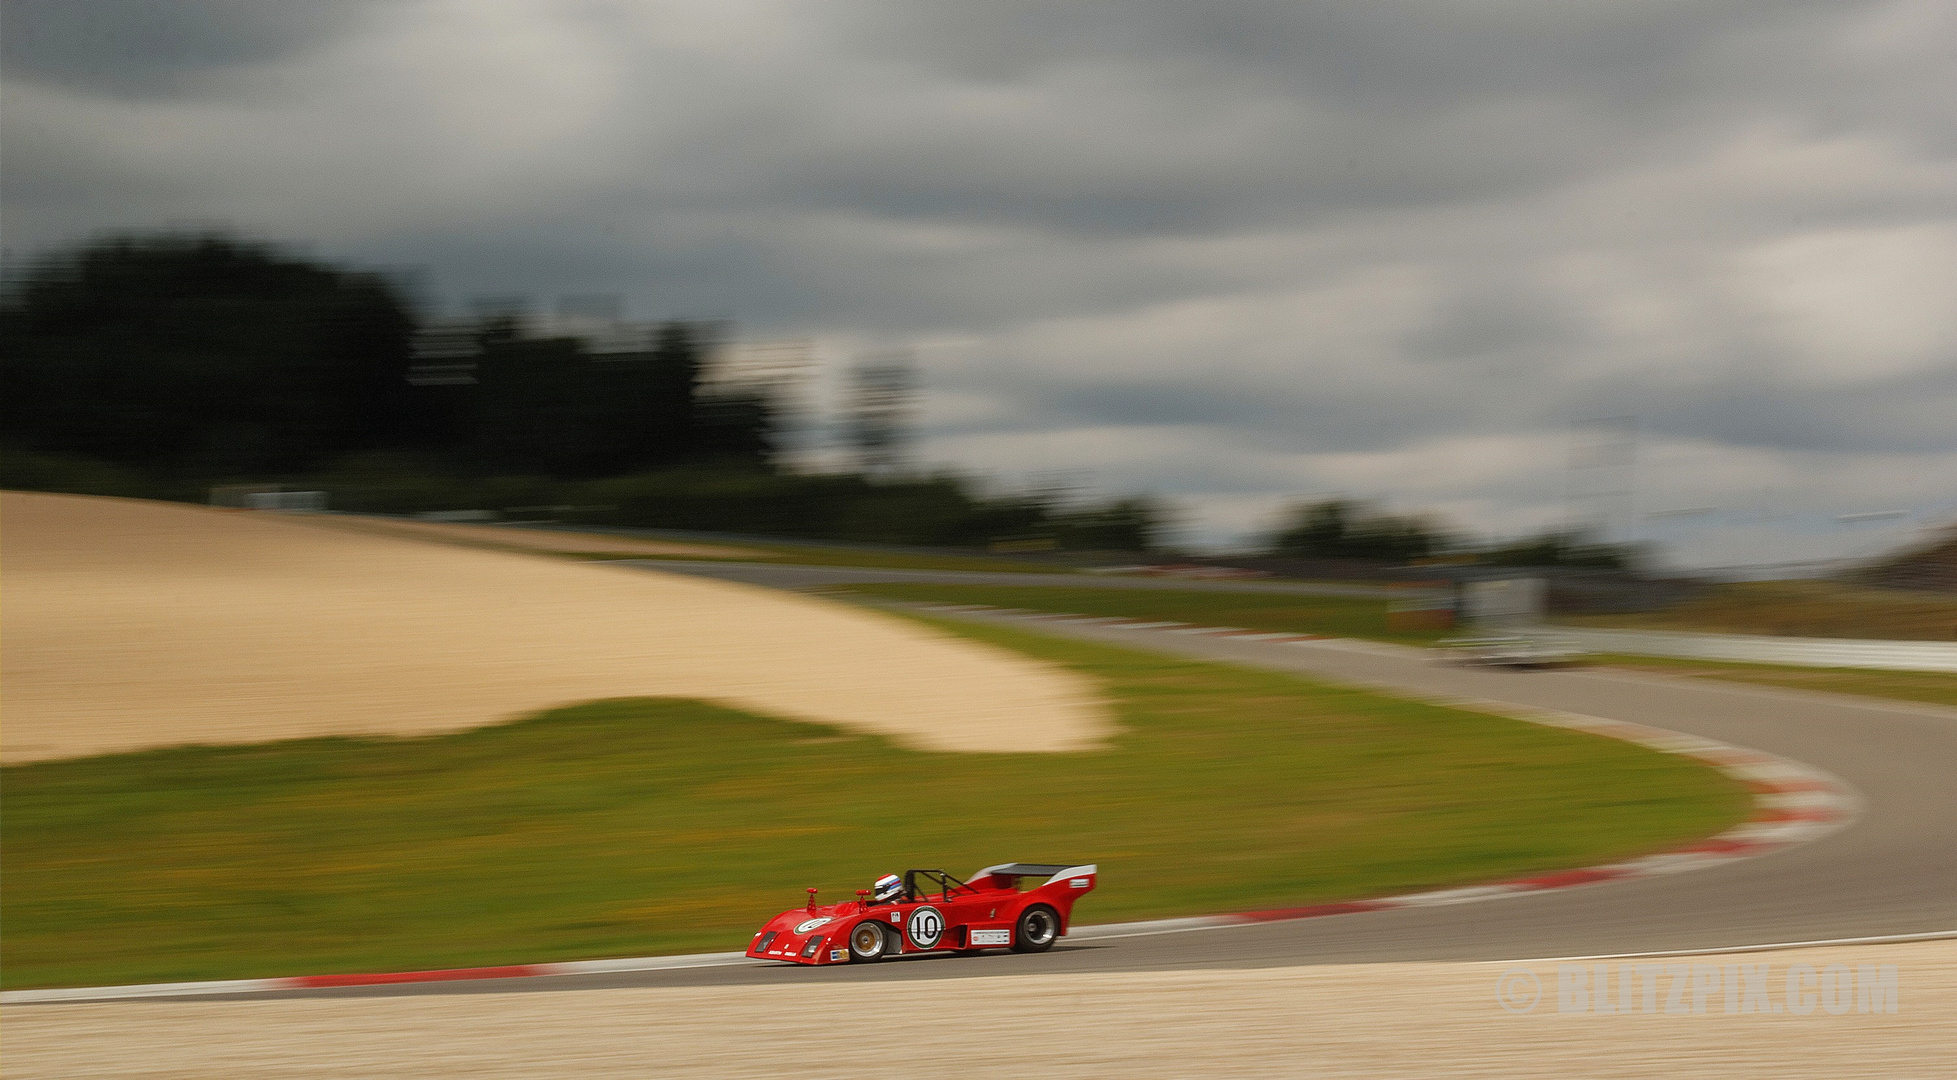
1050	871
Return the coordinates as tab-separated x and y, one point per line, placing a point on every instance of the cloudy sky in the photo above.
1234	252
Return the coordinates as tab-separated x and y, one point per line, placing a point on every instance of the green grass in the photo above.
654	826
1801	609
1334	616
1933	687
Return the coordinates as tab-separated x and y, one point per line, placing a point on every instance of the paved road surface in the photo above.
1895	872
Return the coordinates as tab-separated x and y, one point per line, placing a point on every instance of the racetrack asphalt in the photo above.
1893	872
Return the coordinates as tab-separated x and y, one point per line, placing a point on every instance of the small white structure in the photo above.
1505	603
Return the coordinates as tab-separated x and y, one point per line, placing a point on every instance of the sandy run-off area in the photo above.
127	624
1373	1020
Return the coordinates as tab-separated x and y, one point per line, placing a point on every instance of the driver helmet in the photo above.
886	888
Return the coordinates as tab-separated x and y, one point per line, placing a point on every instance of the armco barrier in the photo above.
1805	652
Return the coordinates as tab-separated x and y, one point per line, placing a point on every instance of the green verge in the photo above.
1936	688
657	826
1800	609
1333	616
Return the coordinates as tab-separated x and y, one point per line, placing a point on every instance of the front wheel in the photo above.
1038	927
867	943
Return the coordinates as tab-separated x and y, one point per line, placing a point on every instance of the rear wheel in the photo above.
1038	926
868	942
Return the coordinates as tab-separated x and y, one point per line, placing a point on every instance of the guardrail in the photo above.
1805	652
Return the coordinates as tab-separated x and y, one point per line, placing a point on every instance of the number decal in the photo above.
925	927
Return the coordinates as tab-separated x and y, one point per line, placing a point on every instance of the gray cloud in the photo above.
143	48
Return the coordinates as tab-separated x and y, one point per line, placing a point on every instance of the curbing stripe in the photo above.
1793	803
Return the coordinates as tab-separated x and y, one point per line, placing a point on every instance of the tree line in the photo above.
210	356
1354	529
162	364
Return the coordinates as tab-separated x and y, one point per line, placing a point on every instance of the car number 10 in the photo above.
925	927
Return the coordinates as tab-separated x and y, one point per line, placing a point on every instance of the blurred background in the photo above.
1093	278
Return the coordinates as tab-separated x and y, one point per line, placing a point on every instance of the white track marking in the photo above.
645	963
142	990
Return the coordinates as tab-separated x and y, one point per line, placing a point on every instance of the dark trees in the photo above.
202	354
1346	529
1571	547
211	357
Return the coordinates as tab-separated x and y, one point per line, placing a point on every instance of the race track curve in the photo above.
1893	872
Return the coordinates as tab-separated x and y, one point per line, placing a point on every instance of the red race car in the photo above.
931	911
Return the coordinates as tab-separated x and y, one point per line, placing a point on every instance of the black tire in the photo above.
869	942
1037	930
